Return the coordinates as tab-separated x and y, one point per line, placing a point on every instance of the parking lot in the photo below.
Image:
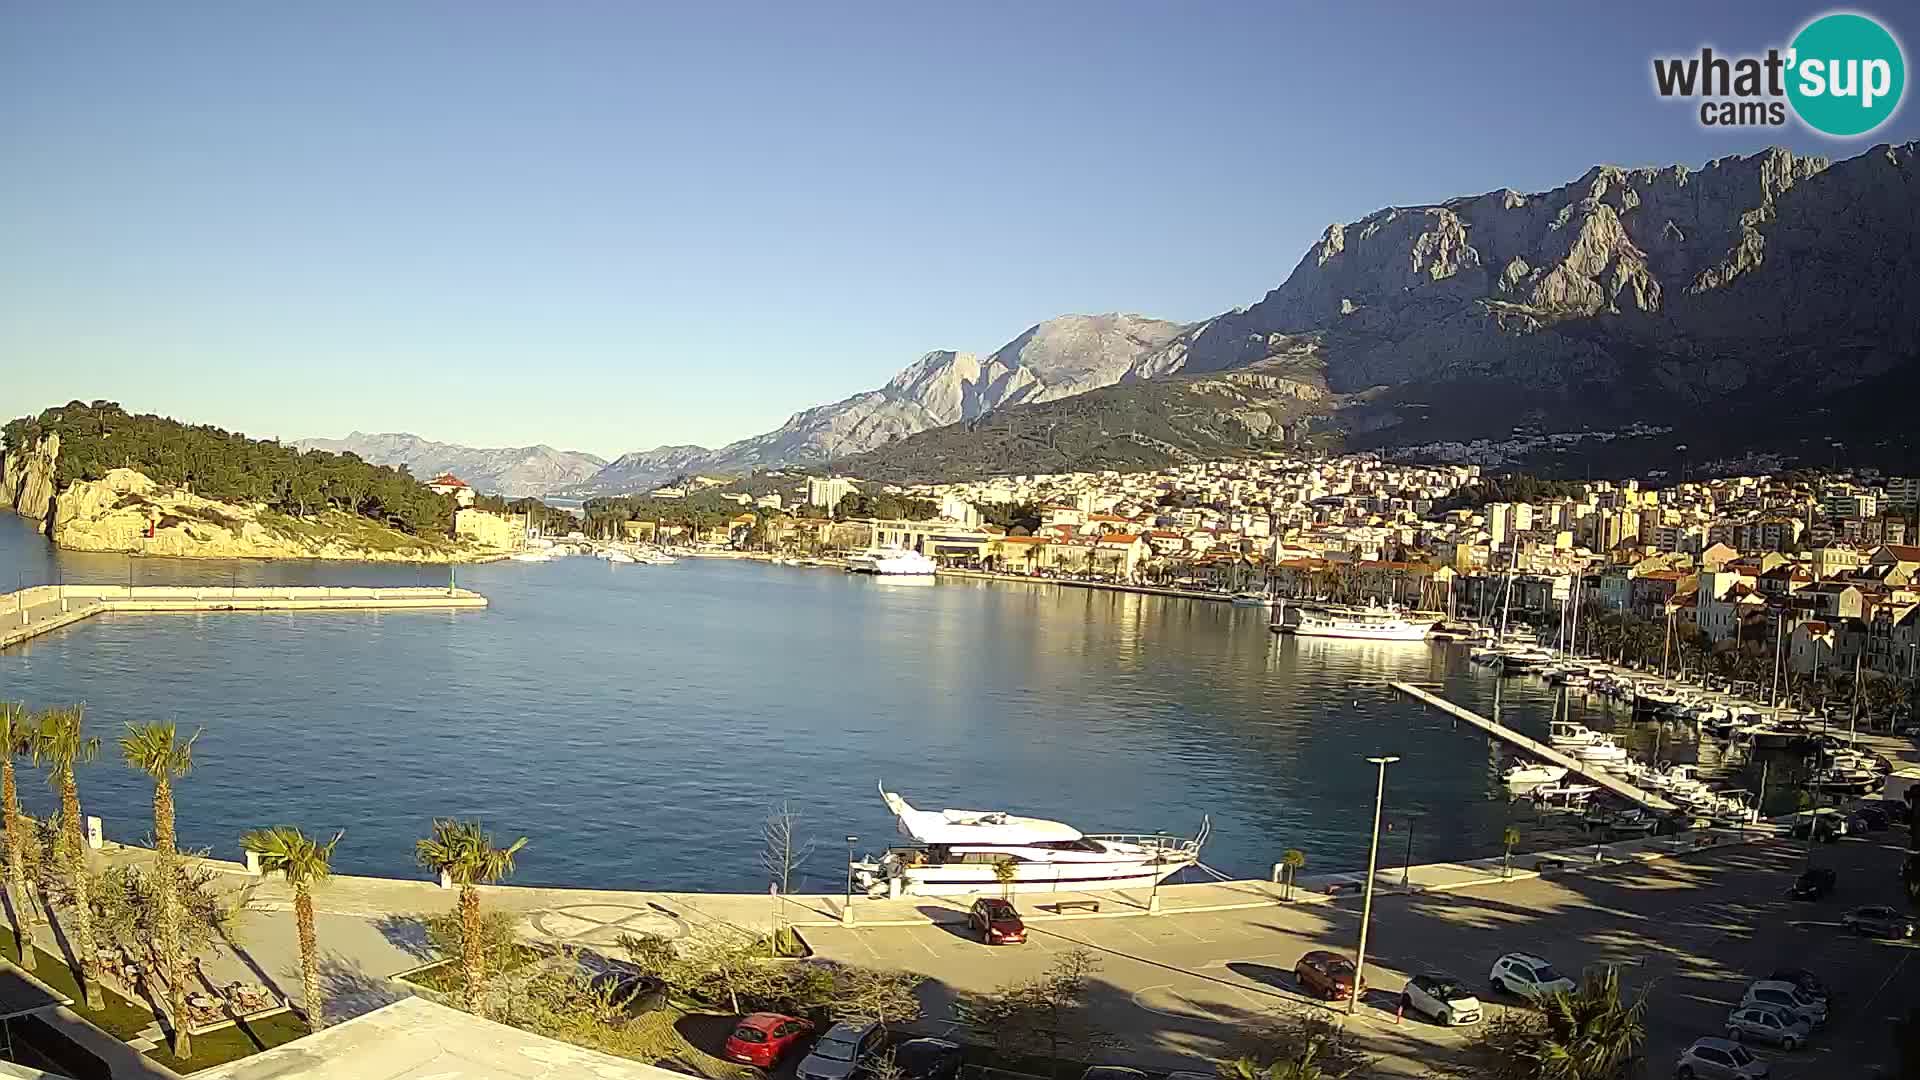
1692	931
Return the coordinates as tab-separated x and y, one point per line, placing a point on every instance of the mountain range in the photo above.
514	472
1757	304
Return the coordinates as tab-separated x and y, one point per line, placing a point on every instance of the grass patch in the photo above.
351	530
124	1019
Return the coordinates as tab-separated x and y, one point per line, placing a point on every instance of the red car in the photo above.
764	1038
997	921
1325	975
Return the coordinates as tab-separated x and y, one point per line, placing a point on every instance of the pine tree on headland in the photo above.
157	750
464	852
60	743
17	734
306	863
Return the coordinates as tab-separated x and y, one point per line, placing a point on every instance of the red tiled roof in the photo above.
1905	552
446	479
1118	538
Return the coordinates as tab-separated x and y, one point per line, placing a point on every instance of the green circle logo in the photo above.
1847	74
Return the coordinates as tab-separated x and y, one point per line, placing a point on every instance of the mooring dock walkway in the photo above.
1592	774
28	613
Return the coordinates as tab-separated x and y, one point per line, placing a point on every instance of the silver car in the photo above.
1719	1059
1787	996
1768	1024
840	1052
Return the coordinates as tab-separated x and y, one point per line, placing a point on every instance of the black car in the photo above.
928	1059
629	991
1813	883
1873	814
1897	810
1807	981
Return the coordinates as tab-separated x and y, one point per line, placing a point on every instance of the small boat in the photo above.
1845	781
1633	821
1572	733
1252	599
1603	751
1533	773
530	556
1570	796
615	555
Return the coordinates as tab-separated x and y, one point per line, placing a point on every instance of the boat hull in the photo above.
971	879
1358	633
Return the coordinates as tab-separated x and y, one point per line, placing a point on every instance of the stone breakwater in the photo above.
28	613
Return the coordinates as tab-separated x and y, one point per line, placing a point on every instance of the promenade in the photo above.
42	609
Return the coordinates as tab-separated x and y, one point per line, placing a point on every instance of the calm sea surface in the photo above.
638	722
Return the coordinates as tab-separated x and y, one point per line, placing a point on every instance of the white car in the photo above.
1441	998
1769	1024
1718	1059
1786	996
1528	976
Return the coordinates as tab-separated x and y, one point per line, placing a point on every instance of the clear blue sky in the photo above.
613	225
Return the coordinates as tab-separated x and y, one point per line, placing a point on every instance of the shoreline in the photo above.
1101	586
42	609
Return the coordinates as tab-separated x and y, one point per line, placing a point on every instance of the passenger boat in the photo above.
961	850
890	562
1370	623
1533	773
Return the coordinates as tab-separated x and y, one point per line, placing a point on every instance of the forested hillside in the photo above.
229	467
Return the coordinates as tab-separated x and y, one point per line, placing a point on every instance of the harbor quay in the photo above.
27	613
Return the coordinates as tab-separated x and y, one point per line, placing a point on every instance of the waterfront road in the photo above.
1690	931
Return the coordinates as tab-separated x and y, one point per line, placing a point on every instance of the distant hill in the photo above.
1048	361
1759	304
515	472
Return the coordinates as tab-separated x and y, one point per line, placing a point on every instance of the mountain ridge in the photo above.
508	471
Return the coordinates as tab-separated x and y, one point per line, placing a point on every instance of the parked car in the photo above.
629	991
1787	996
1769	1024
1806	981
1719	1059
1813	883
1826	824
840	1052
764	1038
997	921
1326	974
1878	921
1442	998
1897	810
1112	1072
1528	976
1872	813
928	1059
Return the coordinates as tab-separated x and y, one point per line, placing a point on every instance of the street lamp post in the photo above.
1373	862
846	912
1406	867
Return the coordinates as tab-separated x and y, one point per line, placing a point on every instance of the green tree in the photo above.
1589	1034
464	853
306	864
1291	860
157	750
60	743
17	736
1299	1044
1046	1015
1006	871
1509	840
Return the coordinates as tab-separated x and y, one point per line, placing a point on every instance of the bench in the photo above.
1061	907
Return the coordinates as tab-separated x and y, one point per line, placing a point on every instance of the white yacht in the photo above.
1603	751
1534	774
1370	623
962	850
890	562
1572	733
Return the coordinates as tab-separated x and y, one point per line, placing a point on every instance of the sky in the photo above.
608	226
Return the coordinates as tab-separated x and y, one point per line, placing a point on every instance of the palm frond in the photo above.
60	740
285	850
464	851
155	748
18	729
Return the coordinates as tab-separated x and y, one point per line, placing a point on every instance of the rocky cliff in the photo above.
26	478
1050	360
510	471
1758	303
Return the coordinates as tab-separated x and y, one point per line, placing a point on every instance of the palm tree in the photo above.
463	852
16	737
156	749
1510	839
1293	859
1006	871
305	863
1591	1034
60	742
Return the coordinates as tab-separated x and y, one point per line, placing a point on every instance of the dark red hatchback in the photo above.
997	922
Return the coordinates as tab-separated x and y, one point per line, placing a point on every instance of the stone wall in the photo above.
504	531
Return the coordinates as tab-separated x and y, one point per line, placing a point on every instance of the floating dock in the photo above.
28	613
1591	773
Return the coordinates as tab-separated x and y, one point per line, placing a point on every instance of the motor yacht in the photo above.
958	853
1572	733
1370	623
1603	751
1533	773
890	562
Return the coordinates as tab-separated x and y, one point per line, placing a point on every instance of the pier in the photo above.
28	613
1592	774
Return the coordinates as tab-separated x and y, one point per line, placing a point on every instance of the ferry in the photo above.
960	853
1370	623
890	562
